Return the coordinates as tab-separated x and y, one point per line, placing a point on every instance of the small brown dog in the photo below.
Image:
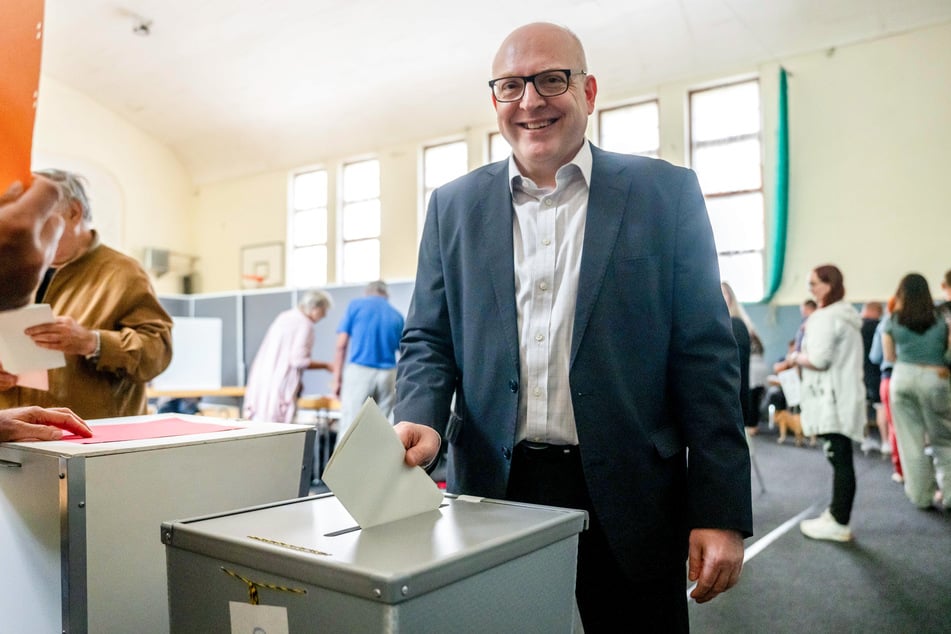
788	421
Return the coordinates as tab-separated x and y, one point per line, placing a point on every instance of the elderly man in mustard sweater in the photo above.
108	322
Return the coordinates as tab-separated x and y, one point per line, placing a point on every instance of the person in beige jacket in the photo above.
108	322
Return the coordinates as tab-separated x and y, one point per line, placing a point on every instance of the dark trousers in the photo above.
608	600
838	450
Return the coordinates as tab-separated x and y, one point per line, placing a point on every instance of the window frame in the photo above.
693	146
293	275
627	105
343	204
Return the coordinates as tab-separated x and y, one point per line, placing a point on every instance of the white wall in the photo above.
870	132
140	193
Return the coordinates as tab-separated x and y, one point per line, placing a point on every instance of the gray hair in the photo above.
309	300
72	187
377	288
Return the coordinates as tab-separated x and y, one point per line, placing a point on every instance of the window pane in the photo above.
499	148
737	222
361	181
310	190
309	266
361	261
744	272
361	220
631	129
725	112
442	163
726	154
729	167
310	227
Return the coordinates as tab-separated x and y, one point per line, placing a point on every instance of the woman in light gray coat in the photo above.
833	395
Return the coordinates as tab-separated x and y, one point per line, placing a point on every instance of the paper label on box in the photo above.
258	619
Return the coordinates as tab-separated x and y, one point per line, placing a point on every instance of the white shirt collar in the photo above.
582	160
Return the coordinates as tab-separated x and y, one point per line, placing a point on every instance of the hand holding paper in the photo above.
18	352
368	475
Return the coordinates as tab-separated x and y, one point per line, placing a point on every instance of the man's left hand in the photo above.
716	558
65	335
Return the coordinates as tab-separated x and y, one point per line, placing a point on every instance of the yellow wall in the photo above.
869	139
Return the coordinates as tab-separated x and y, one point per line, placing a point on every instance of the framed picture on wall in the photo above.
262	265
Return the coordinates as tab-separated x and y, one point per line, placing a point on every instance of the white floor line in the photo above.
761	544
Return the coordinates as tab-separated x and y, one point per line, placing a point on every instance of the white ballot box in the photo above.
473	565
79	523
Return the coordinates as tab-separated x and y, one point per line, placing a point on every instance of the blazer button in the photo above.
513	386
507	453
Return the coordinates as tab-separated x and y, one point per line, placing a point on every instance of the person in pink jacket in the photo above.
275	377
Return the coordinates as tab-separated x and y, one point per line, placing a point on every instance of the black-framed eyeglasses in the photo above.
548	83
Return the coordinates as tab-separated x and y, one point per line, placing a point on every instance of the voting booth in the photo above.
472	565
80	522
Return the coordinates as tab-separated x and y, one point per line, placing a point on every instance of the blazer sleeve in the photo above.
704	376
426	373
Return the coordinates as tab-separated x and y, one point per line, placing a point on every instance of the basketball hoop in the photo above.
252	279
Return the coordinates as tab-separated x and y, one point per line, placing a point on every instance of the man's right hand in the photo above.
421	443
38	423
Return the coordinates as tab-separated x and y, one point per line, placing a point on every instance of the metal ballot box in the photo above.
473	565
78	521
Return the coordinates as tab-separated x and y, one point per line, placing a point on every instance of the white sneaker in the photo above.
886	449
897	477
869	444
825	527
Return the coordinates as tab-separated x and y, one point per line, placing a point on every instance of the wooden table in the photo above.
236	391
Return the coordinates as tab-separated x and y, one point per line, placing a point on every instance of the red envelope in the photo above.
161	428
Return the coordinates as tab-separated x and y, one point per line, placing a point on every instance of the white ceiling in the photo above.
237	87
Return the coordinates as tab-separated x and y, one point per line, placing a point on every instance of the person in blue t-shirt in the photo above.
368	338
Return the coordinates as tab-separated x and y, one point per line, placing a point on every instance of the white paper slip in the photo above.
790	382
367	473
35	379
18	353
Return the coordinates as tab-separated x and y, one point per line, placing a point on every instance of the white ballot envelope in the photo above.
790	382
367	473
18	353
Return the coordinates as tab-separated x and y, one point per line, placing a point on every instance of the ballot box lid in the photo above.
201	430
314	540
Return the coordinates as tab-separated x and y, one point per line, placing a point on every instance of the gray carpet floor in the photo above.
894	577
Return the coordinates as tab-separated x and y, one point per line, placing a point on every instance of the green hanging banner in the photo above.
781	206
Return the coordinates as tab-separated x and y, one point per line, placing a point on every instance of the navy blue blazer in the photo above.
654	371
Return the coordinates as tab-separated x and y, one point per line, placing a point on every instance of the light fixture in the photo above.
142	27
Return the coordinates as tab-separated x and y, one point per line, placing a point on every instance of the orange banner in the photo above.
21	47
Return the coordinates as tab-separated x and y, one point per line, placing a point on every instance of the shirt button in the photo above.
543	286
548	202
546	242
537	391
513	386
539	337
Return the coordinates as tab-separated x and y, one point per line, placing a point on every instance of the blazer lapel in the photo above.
498	247
606	209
